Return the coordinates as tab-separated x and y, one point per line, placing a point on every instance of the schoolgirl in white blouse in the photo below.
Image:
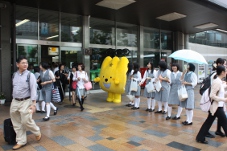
82	78
149	76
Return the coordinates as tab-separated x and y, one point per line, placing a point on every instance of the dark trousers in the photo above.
62	91
220	114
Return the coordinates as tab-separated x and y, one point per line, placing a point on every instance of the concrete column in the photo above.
179	44
86	42
186	41
5	51
140	45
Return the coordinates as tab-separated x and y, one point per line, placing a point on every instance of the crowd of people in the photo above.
26	101
170	82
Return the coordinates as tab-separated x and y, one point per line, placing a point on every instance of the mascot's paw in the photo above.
109	100
96	79
116	101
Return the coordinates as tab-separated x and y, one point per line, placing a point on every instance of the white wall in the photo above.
209	52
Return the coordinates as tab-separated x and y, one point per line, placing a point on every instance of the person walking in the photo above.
173	95
82	78
164	76
47	78
61	81
24	103
72	83
137	77
39	92
149	76
189	79
217	108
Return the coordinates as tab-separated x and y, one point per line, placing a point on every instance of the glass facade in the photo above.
151	38
211	38
71	28
102	32
107	38
126	35
49	25
26	23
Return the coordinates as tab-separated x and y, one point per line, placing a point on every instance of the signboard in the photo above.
52	51
201	72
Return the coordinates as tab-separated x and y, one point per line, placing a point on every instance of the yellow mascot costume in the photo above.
112	77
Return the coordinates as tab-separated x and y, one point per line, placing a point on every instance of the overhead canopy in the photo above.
144	12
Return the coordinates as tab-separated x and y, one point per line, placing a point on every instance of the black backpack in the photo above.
205	84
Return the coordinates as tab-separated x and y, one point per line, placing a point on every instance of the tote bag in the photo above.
56	95
158	85
150	87
134	85
182	93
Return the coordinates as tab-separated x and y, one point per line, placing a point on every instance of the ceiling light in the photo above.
22	22
116	4
221	30
171	16
52	37
205	26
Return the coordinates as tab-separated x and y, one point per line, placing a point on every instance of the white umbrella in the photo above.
188	56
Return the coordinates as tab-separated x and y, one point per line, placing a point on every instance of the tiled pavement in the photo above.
106	126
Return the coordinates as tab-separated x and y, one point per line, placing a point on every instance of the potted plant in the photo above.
2	98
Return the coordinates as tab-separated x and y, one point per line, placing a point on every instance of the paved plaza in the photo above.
104	126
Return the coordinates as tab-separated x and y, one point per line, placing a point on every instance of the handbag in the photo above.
182	93
74	85
150	87
56	95
133	85
88	85
158	85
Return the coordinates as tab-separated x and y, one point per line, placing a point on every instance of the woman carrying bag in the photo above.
189	79
128	83
136	78
73	84
217	108
173	95
149	76
162	96
82	78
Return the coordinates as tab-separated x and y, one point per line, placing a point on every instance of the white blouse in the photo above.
74	76
221	94
81	75
146	75
138	79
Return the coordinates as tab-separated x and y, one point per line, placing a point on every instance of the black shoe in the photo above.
188	123
137	108
37	111
74	104
147	109
220	134
134	108
128	104
176	118
184	123
203	142
158	112
168	117
81	109
151	110
43	111
56	111
46	118
164	112
210	135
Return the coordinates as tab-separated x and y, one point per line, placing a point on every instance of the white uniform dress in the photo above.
152	75
175	85
80	83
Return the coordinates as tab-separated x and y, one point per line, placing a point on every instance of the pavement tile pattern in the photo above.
104	126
